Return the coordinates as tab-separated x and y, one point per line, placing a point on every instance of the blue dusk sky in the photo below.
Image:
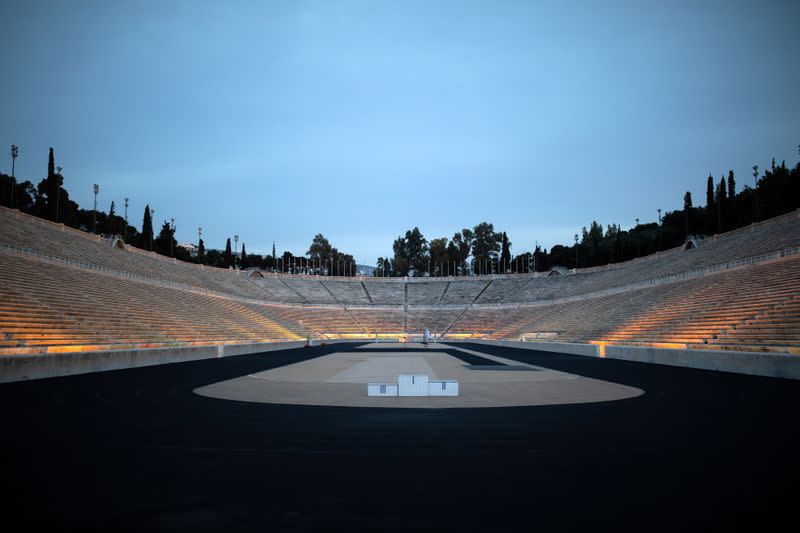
362	119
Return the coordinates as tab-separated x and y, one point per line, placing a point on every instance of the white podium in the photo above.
414	385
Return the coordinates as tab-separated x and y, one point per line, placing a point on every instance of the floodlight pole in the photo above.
14	154
755	190
125	236
576	251
616	234
152	217
235	247
96	189
660	240
58	190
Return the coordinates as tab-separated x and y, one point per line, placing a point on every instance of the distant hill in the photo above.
366	269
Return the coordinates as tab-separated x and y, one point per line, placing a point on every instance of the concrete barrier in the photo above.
589	350
768	364
39	366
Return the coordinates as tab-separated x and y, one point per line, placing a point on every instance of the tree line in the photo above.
477	250
482	250
50	200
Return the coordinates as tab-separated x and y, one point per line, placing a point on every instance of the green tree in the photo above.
201	252
777	191
485	247
720	200
382	268
438	257
48	198
416	251
711	215
453	258
214	258
243	258
287	262
400	264
505	254
687	210
111	221
52	186
462	241
165	243
594	235
731	203
227	258
147	230
410	254
23	195
320	251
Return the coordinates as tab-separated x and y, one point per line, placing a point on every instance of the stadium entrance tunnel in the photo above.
341	378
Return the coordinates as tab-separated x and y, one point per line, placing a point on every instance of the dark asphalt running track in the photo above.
136	448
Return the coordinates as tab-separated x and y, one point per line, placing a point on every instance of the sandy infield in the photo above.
340	379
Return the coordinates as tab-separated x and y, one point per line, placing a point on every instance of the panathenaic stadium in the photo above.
141	391
68	291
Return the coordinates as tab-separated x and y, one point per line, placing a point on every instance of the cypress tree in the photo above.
687	208
227	259
731	200
111	215
51	165
720	201
52	186
243	259
201	251
710	214
505	254
147	230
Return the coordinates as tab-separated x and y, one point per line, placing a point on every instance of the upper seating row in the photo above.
17	229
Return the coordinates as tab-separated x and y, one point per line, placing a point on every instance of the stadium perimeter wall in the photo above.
775	365
40	366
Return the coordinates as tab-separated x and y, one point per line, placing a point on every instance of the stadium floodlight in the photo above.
14	154
660	241
125	235
755	190
58	190
152	217
96	189
576	251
